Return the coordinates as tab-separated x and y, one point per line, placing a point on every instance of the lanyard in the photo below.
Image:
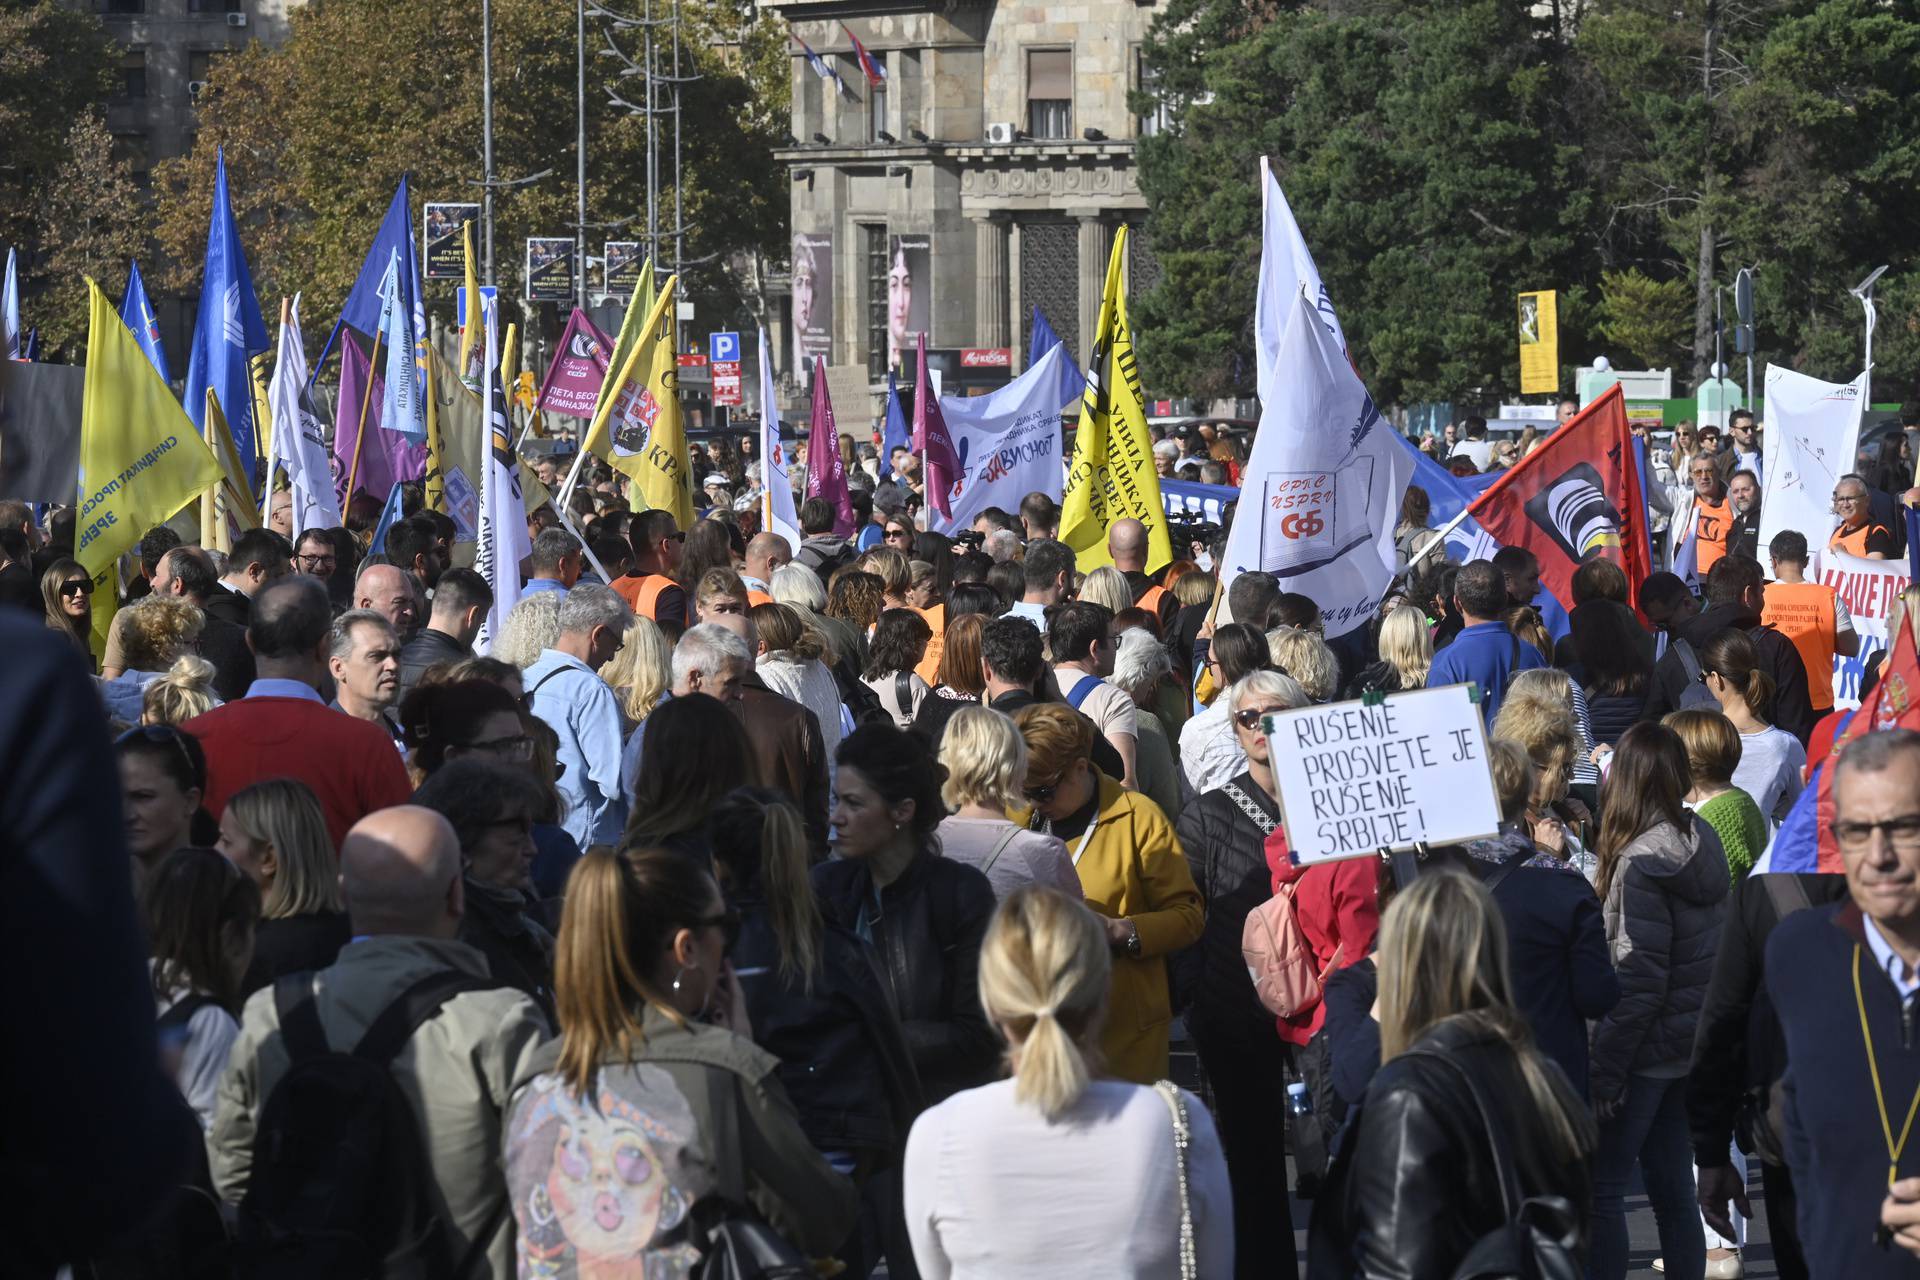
1085	836
1879	1098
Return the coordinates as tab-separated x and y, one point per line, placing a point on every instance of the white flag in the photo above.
299	446
773	464
503	541
401	406
1321	494
1813	433
1286	268
1008	442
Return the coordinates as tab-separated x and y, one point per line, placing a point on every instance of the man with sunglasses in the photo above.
650	587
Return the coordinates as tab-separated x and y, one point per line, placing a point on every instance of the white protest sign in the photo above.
1813	432
1869	589
1356	778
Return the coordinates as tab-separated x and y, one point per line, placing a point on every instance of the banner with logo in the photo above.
443	229
1539	343
1813	433
1008	442
579	367
812	302
1869	589
550	268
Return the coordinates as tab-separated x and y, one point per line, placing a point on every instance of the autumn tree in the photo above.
92	218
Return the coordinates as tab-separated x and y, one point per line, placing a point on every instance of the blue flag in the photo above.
1913	544
389	516
228	333
1072	381
1447	496
364	303
137	312
895	434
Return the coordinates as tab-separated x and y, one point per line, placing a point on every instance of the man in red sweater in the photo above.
282	729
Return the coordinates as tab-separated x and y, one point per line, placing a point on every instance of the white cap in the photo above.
715	480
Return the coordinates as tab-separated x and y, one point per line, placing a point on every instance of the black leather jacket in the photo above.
1413	1185
843	1059
925	934
1227	855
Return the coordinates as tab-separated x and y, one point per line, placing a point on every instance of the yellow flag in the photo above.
469	332
433	486
225	503
620	442
509	354
141	460
664	480
639	309
1112	475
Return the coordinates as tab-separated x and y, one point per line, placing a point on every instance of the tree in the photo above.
90	216
1647	318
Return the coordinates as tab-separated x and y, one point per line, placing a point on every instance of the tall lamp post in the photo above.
1864	292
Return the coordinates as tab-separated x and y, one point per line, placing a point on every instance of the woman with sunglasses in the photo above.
67	592
1209	752
163	775
654	1075
492	807
1131	872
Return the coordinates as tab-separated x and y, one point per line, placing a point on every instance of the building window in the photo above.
1147	81
200	63
1050	280
213	6
876	112
1050	93
119	6
133	74
874	240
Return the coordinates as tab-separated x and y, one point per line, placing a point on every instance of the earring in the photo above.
682	972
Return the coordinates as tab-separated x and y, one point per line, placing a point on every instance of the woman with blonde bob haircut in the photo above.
986	762
1059	1161
1460	1075
641	671
1306	657
1107	587
276	832
1406	654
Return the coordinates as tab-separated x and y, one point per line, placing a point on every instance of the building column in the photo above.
1095	243
990	283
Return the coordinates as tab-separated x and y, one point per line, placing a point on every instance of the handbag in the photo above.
1182	1138
736	1243
1540	1239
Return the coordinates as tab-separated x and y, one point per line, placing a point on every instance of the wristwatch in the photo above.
1132	944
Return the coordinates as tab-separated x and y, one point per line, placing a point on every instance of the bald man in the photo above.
393	593
465	1039
767	553
1127	544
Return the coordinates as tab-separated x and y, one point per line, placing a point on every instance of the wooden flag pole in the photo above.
366	398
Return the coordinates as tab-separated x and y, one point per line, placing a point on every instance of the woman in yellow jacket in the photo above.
1132	872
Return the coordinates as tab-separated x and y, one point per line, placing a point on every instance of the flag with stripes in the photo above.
503	541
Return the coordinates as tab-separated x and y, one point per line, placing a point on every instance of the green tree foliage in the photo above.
318	131
1645	318
93	216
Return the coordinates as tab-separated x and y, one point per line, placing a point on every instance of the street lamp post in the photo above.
1864	292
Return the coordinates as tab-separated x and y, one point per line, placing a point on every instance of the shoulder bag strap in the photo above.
419	1002
1786	893
1182	1138
1249	807
1082	689
300	1029
1506	868
537	684
1000	847
903	693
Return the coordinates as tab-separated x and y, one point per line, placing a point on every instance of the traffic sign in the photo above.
490	292
726	378
724	346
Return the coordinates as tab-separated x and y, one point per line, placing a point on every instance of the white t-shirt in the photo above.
1034	613
995	1192
1108	706
1771	763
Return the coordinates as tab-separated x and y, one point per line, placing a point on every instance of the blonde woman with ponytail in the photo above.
1060	1170
1771	759
1415	1186
654	1097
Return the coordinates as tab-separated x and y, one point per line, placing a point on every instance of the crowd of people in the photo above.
846	901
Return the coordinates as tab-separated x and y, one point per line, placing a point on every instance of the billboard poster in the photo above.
1539	343
909	295
624	261
812	301
550	268
442	253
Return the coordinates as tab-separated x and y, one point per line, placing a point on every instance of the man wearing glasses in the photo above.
1858	535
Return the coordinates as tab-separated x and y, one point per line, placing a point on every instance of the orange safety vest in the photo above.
643	594
1855	543
757	598
1151	597
1803	612
929	668
1712	523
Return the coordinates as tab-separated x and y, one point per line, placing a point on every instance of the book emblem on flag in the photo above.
585	346
1315	517
1575	513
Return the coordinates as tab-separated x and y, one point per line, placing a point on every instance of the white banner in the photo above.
299	447
780	517
1869	589
1813	433
1327	474
1009	443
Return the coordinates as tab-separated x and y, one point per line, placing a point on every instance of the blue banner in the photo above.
1072	381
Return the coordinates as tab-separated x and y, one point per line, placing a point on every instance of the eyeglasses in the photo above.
679	536
77	587
315	562
728	922
1848	498
518	747
899	533
1040	795
1903	833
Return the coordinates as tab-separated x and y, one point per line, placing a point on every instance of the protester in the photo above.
1663	884
1812	615
180	693
163	779
463	1044
1462	1102
1713	756
186	573
696	753
1743	496
986	763
1613	666
530	629
1771	760
898	644
201	913
364	661
461	600
259	558
1131	872
651	588
1306	657
792	663
1221	833
565	690
1209	752
1709	517
448	719
394	594
1406	654
1142	671
640	673
1735	596
157	633
1080	640
1858	534
67	593
283	729
1485	652
961	681
1015	1177
275	832
556	562
1047	575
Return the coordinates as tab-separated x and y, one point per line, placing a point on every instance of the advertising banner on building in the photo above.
909	294
812	302
550	268
441	253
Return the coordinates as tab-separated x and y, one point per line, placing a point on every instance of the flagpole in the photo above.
266	482
366	397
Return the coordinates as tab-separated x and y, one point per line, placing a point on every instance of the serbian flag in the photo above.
1805	842
1577	497
875	73
931	440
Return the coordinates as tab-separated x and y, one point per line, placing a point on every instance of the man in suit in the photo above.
259	556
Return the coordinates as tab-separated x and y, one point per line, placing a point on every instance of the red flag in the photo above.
826	470
1893	704
931	439
875	73
1576	497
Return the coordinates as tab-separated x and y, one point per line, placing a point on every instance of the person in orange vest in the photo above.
1857	535
649	587
1811	615
1127	544
1711	519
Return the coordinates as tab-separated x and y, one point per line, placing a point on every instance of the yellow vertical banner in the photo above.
1539	343
1112	476
665	477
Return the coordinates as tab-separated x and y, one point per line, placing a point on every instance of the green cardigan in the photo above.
1741	826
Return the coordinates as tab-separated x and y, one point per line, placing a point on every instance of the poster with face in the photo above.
909	295
812	301
550	269
444	253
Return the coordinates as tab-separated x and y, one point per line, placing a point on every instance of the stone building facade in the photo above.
999	154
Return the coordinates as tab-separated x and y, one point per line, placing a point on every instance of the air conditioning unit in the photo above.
196	87
236	19
1000	132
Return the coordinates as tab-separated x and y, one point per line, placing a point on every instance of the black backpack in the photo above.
340	1181
863	704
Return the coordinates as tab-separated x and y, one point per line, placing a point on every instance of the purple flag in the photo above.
826	470
578	369
386	457
931	439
